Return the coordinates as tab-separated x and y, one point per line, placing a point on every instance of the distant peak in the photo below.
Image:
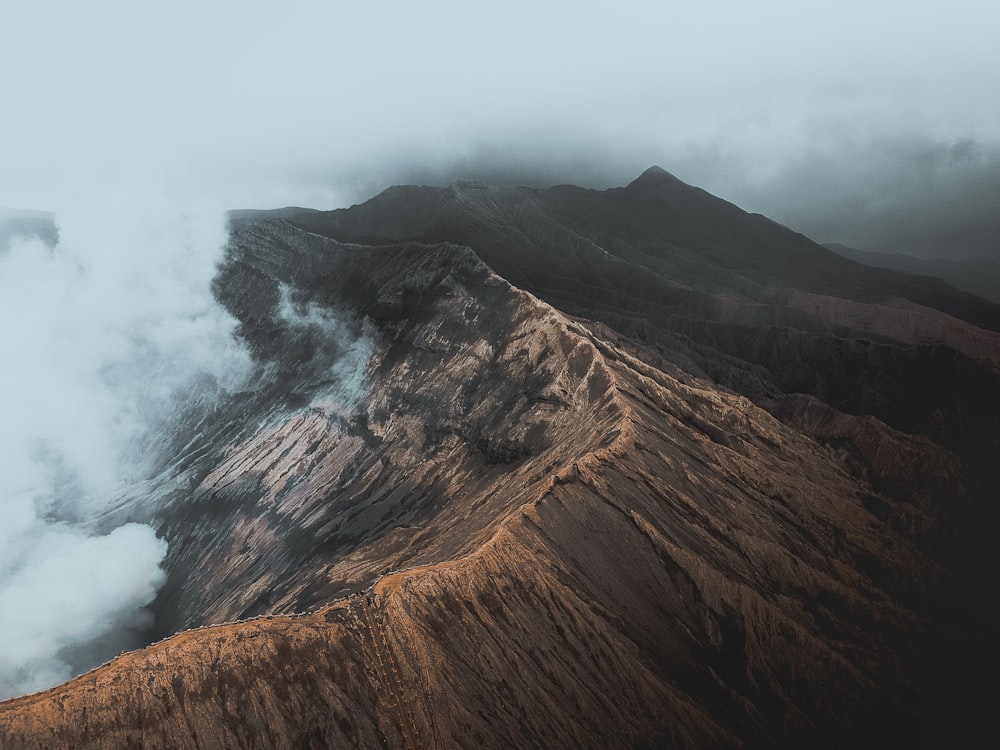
654	176
656	171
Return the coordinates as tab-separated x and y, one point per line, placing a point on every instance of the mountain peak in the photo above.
654	176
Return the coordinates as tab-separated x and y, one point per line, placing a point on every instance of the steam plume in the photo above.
107	337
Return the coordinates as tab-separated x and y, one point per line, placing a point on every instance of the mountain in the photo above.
568	468
976	275
722	293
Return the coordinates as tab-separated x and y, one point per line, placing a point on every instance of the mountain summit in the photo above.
653	178
568	468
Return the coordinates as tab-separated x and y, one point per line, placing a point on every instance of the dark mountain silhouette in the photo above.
753	305
569	468
979	276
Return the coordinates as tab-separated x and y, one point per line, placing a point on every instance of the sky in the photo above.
875	124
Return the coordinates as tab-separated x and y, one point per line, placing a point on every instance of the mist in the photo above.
332	346
867	123
109	336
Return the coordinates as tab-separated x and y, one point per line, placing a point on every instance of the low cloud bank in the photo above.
109	337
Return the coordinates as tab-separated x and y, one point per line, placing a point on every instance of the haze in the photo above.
873	124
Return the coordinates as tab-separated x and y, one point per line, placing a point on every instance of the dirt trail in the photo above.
373	618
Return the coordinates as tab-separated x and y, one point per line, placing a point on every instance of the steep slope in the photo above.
463	380
449	514
597	553
726	294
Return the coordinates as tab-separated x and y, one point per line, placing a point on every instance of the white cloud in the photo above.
62	588
106	338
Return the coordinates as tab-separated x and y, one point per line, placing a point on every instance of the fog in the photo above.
107	338
845	120
338	347
875	124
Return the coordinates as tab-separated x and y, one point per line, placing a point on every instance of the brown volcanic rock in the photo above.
469	379
910	467
732	296
598	554
901	320
513	527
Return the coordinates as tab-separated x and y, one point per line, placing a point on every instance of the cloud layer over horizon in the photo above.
869	123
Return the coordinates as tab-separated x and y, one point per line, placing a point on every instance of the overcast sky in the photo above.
874	123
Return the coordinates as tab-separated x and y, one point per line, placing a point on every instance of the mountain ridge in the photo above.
576	518
682	272
979	276
580	473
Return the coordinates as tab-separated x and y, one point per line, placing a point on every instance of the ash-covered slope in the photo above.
459	380
549	532
731	295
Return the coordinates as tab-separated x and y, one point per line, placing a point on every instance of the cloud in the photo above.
63	589
318	103
110	337
890	190
333	349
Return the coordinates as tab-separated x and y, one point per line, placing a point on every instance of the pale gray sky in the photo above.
846	119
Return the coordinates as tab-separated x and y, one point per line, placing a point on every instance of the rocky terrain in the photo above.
568	468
